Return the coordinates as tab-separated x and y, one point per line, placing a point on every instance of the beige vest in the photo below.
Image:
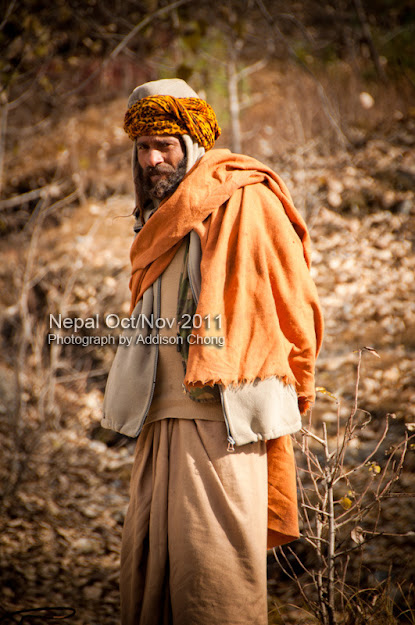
169	399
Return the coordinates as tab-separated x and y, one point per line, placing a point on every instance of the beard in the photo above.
167	184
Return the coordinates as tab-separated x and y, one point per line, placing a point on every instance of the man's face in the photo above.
162	164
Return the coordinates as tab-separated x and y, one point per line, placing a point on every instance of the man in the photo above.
221	260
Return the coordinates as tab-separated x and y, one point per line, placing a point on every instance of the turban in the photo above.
165	114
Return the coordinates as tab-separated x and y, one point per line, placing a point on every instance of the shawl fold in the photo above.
257	292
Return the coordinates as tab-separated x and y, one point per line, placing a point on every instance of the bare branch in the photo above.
133	32
7	13
317	510
372	453
4	109
316	438
251	69
42	192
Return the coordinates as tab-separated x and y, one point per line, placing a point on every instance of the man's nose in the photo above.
154	157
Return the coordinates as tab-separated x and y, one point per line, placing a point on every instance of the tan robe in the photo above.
194	539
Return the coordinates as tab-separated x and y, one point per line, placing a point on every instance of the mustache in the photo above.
162	168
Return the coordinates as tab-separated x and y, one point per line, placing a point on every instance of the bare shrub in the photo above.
340	503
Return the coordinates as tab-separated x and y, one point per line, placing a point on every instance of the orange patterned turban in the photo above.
165	114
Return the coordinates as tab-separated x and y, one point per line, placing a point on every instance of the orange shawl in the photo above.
255	272
255	275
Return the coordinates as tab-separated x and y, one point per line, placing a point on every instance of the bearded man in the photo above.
214	390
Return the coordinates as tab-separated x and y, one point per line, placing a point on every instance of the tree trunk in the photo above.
234	108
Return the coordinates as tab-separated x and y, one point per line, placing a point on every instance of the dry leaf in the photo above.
346	502
357	535
372	351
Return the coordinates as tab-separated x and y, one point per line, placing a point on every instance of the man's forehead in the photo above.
157	138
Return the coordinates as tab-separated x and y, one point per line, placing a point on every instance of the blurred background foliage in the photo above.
49	50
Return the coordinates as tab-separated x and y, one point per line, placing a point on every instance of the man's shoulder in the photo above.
223	156
221	166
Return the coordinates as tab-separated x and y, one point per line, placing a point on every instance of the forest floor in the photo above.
64	479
